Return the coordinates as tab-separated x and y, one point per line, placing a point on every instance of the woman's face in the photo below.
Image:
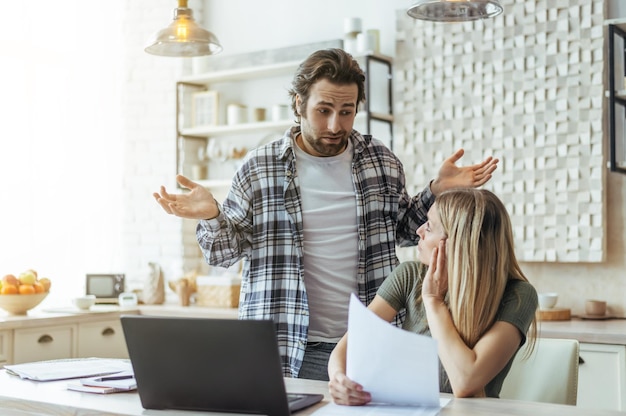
431	233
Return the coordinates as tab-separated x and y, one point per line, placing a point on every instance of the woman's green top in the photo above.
403	288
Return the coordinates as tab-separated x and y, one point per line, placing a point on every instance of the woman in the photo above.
467	291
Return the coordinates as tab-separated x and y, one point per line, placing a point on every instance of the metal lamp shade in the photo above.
454	10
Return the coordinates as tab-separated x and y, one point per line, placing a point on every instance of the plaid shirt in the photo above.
261	222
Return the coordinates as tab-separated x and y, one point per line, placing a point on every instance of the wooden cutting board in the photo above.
555	314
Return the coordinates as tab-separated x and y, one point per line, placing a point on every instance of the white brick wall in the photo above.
150	235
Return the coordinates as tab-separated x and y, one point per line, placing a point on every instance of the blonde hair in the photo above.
481	259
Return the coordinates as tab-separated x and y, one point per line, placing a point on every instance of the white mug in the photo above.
365	42
236	114
352	25
280	112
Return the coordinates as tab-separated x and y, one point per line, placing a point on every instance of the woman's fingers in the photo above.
346	392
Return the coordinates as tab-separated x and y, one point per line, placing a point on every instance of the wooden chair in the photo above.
549	375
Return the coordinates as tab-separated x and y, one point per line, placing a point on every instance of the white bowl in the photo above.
84	302
547	300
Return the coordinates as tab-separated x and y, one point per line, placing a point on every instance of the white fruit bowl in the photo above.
20	304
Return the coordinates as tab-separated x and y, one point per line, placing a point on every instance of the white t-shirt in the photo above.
330	240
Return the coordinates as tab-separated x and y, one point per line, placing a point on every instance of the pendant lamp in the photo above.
454	10
183	37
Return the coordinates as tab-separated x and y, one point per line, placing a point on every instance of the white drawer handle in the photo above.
44	339
108	332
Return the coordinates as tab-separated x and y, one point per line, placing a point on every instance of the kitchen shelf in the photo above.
269	70
243	128
240	74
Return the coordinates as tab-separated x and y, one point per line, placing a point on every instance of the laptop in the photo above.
201	364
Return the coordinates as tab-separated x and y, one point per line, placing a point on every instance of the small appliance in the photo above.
106	287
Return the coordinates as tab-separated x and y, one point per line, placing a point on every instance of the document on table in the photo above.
68	368
333	409
124	380
111	383
397	367
77	386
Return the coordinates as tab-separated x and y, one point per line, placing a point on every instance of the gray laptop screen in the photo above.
223	365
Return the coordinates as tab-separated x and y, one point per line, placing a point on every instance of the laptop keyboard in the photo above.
293	397
299	401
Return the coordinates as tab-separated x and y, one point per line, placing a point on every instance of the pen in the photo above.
121	377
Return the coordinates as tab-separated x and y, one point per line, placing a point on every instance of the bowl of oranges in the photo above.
21	293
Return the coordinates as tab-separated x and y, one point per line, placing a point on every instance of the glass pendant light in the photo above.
454	10
183	37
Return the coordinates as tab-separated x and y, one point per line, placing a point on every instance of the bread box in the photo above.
218	291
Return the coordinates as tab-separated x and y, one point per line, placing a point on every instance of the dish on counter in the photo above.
92	310
597	317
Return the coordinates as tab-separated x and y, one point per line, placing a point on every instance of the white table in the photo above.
19	397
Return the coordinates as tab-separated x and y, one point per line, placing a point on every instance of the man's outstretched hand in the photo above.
196	204
452	176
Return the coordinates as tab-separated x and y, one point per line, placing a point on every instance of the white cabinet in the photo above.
81	336
44	343
104	339
602	377
6	346
255	83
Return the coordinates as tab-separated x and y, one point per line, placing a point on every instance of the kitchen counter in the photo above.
69	315
60	316
609	331
173	309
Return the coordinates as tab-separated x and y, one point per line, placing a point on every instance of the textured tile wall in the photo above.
526	87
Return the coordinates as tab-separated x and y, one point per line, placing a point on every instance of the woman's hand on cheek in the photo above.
435	285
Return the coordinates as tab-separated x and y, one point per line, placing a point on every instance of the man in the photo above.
316	215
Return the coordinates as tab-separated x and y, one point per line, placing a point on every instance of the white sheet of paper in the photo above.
396	366
333	409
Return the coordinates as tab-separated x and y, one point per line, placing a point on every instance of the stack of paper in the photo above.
112	383
68	368
97	375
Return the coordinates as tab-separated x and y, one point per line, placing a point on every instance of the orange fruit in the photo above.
26	289
38	287
10	279
45	282
8	289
